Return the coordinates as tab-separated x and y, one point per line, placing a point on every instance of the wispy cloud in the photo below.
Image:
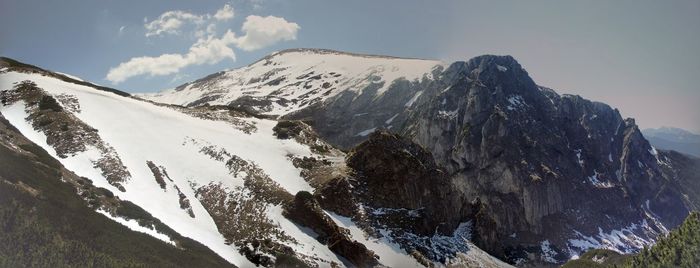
170	22
121	30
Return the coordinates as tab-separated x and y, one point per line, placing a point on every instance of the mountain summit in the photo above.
289	80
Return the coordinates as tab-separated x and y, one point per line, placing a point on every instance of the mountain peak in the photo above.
501	63
324	51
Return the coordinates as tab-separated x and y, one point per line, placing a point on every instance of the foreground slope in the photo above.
533	170
158	158
46	224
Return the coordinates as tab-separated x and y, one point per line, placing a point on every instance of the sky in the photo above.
638	56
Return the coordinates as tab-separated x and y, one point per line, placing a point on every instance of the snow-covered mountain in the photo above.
535	171
218	176
289	80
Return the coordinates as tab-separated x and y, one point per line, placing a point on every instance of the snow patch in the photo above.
501	68
134	226
366	132
626	240
578	157
448	114
547	252
593	179
388	121
71	76
653	151
390	254
413	100
516	101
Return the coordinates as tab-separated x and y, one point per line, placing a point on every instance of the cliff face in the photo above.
545	166
534	167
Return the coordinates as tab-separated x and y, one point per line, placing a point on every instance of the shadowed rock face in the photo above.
395	173
535	165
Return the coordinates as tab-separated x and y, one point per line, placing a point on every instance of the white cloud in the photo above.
260	32
170	22
225	13
208	50
121	30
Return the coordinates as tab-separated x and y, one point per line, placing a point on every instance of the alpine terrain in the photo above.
321	158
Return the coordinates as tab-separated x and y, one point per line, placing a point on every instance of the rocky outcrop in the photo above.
307	212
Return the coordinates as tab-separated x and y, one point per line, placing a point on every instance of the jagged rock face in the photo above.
539	166
538	162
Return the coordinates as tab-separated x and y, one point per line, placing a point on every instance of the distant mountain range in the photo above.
314	157
676	139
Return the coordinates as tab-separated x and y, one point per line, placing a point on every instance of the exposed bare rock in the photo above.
307	212
304	134
337	196
184	202
158	174
241	218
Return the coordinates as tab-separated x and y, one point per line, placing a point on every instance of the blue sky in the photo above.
639	56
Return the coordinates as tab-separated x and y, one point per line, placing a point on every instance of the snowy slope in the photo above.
141	132
294	79
185	149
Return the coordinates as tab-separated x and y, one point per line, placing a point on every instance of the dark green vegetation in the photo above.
23	67
681	248
46	224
